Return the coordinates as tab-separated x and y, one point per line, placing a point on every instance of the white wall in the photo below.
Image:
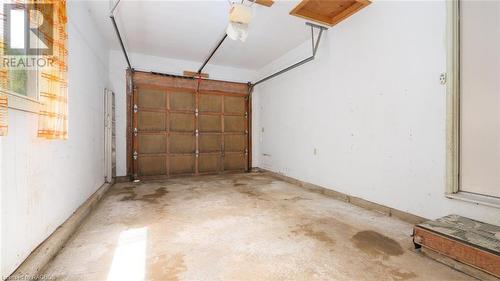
44	181
117	68
373	108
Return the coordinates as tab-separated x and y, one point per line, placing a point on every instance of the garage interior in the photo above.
254	140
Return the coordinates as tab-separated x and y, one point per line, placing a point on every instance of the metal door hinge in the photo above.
135	155
135	132
136	108
246	114
443	78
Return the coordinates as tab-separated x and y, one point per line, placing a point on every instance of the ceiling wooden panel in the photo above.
267	3
328	12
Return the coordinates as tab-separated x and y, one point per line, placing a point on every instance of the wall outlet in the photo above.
442	78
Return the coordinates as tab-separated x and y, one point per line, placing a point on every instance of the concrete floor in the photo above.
238	227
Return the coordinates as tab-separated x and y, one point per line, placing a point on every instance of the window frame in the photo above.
31	101
23	103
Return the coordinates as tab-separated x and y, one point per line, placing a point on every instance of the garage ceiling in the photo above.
190	29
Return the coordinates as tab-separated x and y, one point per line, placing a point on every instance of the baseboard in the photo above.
36	262
404	216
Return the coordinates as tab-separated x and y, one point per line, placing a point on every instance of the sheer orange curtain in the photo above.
53	85
3	115
52	82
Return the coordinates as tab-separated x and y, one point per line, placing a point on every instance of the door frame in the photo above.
453	97
109	156
452	189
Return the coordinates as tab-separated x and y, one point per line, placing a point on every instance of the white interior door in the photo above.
480	97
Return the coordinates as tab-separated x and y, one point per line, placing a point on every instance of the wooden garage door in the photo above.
189	131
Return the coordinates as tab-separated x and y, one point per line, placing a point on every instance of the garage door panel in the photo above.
182	164
152	165
234	143
234	104
210	103
182	101
152	98
152	143
234	123
182	132
182	143
209	143
209	163
180	122
151	121
209	123
234	161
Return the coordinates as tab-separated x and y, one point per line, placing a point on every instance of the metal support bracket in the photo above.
212	53
114	8
315	45
112	17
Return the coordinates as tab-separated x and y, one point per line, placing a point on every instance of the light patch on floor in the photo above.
238	227
130	256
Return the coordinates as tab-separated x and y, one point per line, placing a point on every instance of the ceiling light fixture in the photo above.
240	16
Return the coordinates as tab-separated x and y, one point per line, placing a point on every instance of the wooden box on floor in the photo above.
471	242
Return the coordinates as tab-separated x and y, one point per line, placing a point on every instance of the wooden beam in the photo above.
195	74
328	12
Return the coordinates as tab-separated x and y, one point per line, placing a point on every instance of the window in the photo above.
474	100
42	89
22	86
23	90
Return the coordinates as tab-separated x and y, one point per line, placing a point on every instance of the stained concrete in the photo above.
239	227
